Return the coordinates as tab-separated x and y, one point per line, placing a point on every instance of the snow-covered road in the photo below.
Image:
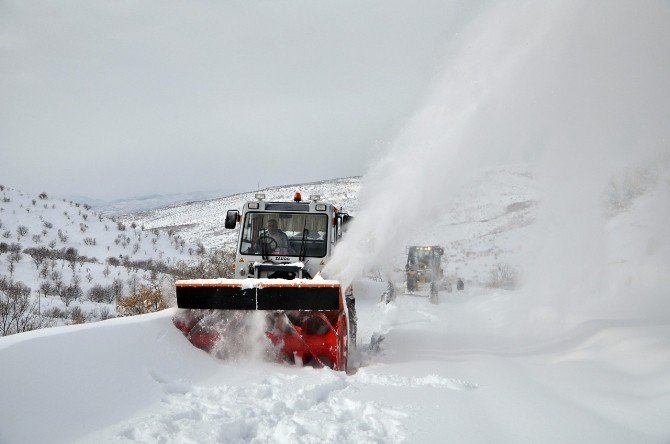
448	372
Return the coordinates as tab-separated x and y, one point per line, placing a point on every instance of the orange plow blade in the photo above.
307	320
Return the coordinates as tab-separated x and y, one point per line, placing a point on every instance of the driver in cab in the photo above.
277	235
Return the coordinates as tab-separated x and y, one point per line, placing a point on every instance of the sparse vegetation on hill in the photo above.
62	263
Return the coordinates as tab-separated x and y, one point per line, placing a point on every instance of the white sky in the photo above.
121	98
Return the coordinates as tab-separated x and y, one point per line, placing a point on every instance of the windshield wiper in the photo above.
264	245
303	246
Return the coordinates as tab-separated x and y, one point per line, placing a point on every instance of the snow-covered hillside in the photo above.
139	204
203	221
72	261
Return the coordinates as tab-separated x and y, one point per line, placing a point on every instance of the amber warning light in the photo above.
297	197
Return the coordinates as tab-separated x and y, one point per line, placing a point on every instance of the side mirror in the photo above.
231	218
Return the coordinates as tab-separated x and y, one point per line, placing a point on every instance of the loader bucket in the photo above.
307	319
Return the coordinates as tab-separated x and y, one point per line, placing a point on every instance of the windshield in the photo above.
423	256
286	234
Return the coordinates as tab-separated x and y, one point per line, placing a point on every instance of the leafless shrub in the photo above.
101	294
77	315
105	313
113	261
503	276
21	231
90	241
70	293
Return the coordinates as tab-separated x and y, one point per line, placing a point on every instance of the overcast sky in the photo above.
123	98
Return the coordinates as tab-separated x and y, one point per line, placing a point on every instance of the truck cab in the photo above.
285	240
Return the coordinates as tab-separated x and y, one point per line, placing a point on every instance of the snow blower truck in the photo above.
282	248
424	267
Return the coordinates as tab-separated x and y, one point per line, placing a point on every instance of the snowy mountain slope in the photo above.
42	230
146	203
483	365
203	221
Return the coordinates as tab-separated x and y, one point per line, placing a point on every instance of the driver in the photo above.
278	235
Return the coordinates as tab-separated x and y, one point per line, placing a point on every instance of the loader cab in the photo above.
420	257
290	239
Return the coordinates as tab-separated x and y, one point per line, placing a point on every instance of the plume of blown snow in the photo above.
580	90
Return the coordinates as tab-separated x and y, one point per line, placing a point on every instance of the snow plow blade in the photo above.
308	320
259	294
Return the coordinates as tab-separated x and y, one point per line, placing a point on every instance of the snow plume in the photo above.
578	88
462	125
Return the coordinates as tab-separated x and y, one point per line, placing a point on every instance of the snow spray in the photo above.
579	89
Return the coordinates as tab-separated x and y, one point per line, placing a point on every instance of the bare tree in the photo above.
70	293
5	309
117	287
57	279
13	258
133	284
38	255
71	256
17	312
45	288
